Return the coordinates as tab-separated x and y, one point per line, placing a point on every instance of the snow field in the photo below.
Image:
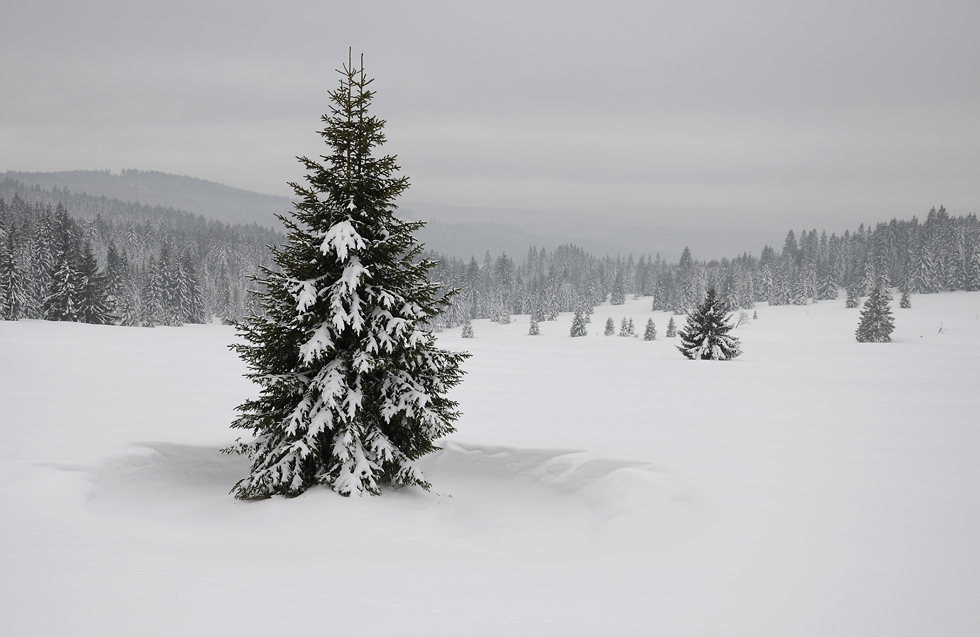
597	485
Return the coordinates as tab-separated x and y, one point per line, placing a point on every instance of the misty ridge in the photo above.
166	249
454	231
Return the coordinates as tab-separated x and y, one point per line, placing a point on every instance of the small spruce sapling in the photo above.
534	329
610	327
650	334
876	323
671	328
705	335
579	326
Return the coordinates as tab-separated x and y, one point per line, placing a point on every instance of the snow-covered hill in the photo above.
596	486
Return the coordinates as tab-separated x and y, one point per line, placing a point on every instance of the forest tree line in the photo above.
165	270
129	264
940	254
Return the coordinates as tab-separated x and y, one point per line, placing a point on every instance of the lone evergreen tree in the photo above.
534	329
671	328
906	300
876	323
650	334
610	327
852	300
467	331
579	327
705	335
353	387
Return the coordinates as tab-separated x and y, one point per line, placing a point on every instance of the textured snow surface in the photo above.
597	486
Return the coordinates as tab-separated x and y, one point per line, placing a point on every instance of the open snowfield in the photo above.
596	486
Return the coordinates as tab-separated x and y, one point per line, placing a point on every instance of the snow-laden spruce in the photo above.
705	335
579	325
353	387
650	333
876	323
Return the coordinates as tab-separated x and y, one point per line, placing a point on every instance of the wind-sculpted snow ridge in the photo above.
549	497
610	495
574	495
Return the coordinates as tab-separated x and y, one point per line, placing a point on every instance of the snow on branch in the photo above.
342	238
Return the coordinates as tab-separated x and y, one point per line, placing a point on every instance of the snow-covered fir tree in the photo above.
579	326
617	296
534	329
61	303
671	328
93	298
13	287
610	328
877	323
906	301
650	333
353	387
852	300
467	330
705	335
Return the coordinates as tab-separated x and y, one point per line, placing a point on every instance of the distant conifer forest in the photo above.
125	264
101	260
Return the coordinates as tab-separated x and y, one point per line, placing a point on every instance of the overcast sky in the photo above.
799	114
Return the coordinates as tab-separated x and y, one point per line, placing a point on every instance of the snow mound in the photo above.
163	481
597	496
496	496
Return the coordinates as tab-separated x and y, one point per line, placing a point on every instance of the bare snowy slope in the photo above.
597	486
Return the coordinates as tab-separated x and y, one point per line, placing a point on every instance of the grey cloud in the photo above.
791	113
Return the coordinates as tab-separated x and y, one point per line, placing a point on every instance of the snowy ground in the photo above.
597	486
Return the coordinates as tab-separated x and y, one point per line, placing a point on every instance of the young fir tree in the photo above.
467	331
671	328
61	303
624	329
853	300
650	334
705	335
13	288
93	297
353	385
534	329
876	323
610	327
579	326
906	301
